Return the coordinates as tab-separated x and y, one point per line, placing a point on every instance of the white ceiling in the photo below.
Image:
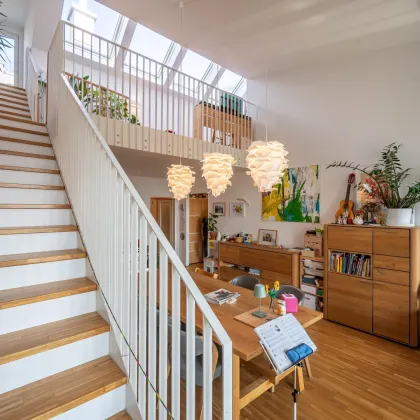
153	165
248	35
16	12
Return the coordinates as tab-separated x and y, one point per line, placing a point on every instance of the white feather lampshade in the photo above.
180	180
266	162
217	171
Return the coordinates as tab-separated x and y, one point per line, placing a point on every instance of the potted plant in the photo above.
212	225
319	232
390	178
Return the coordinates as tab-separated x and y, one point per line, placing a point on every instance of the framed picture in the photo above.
219	209
237	209
267	237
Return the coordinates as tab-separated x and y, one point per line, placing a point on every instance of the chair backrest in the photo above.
199	347
206	273
300	295
246	281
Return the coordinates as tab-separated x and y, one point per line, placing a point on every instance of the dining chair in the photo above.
246	281
206	273
199	363
300	295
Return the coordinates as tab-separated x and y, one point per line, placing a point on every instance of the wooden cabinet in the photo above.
387	304
391	311
275	264
350	301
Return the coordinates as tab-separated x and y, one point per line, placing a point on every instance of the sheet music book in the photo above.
280	335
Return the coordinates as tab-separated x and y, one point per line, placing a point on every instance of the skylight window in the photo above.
229	81
195	65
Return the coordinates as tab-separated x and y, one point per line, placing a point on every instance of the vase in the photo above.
213	235
399	217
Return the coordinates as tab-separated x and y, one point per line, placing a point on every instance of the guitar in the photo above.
346	205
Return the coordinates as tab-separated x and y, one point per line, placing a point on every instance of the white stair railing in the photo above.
122	240
134	99
35	89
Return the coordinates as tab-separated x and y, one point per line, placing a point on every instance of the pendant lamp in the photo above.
180	180
217	171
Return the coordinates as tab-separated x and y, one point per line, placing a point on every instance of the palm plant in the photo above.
4	42
389	177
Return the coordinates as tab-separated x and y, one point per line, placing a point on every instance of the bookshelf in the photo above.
372	277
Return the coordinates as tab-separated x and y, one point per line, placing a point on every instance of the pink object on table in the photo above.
292	304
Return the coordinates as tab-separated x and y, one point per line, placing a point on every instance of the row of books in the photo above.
352	264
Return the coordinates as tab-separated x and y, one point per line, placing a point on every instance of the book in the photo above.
221	296
280	335
352	264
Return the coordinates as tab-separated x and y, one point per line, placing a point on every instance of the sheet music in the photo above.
281	335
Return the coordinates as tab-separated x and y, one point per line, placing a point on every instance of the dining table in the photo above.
247	350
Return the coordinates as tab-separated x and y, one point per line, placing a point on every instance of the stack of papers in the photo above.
221	296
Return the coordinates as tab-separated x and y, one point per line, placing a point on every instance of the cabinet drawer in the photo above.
391	311
391	263
271	261
229	253
273	276
394	242
350	301
229	273
391	276
352	239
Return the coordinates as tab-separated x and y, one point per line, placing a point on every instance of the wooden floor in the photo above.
355	376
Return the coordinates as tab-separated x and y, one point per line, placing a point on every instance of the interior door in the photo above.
198	210
162	210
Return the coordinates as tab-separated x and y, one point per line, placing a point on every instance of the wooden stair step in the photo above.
15	114
37	229
122	415
13	91
41	257
7	101
32	186
23	130
5	85
22	120
25	169
35	207
59	393
24	154
30	142
16	108
13	95
24	343
19	296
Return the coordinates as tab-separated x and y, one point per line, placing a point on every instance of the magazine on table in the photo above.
221	296
280	335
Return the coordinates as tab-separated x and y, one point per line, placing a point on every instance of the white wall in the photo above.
338	110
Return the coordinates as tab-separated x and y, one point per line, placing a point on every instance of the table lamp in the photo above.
260	293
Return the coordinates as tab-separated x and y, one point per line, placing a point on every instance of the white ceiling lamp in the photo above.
217	171
266	160
180	180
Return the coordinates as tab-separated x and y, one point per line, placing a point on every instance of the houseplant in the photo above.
4	42
390	179
212	225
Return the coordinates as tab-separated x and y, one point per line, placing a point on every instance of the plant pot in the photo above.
213	235
399	217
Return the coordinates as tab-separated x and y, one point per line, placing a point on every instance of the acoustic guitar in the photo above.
346	205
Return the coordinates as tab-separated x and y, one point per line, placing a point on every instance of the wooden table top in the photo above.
245	341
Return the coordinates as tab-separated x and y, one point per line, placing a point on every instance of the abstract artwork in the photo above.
296	198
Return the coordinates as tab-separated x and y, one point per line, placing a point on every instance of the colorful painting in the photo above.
296	198
237	209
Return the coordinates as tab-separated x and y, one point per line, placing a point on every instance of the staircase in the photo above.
54	345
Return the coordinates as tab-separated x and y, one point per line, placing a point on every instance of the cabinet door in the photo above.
350	301
229	253
391	311
395	242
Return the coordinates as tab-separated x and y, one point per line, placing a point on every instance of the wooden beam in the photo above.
254	390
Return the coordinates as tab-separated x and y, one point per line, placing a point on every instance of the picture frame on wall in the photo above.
237	209
267	237
219	209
